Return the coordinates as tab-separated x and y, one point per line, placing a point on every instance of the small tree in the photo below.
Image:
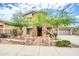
19	22
62	18
40	19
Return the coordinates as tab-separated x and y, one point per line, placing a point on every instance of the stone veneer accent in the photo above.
34	31
24	31
43	31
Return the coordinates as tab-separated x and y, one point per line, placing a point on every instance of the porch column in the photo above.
24	31
71	31
43	31
34	31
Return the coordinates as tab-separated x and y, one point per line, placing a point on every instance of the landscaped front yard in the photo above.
9	48
43	41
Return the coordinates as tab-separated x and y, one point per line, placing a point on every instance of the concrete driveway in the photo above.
24	50
73	38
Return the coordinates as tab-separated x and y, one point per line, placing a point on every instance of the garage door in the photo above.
63	32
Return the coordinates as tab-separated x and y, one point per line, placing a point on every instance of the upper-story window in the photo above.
33	14
29	17
49	28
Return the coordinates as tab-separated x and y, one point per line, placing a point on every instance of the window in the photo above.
33	14
29	31
29	17
49	28
1	26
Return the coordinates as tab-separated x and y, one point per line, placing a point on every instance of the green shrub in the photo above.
63	43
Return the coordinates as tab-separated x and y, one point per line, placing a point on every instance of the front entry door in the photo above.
39	31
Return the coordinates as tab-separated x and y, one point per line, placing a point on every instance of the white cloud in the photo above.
47	5
7	13
30	1
77	16
57	5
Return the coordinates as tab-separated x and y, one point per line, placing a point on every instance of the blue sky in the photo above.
8	9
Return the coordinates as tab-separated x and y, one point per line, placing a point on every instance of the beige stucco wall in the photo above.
4	26
26	16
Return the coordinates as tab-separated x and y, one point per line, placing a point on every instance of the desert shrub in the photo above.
15	32
3	35
63	43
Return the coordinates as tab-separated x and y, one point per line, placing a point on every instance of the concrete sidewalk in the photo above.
24	50
72	38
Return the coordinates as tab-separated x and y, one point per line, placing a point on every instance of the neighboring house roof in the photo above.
5	22
68	28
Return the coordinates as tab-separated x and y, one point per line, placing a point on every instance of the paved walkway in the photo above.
24	50
74	39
